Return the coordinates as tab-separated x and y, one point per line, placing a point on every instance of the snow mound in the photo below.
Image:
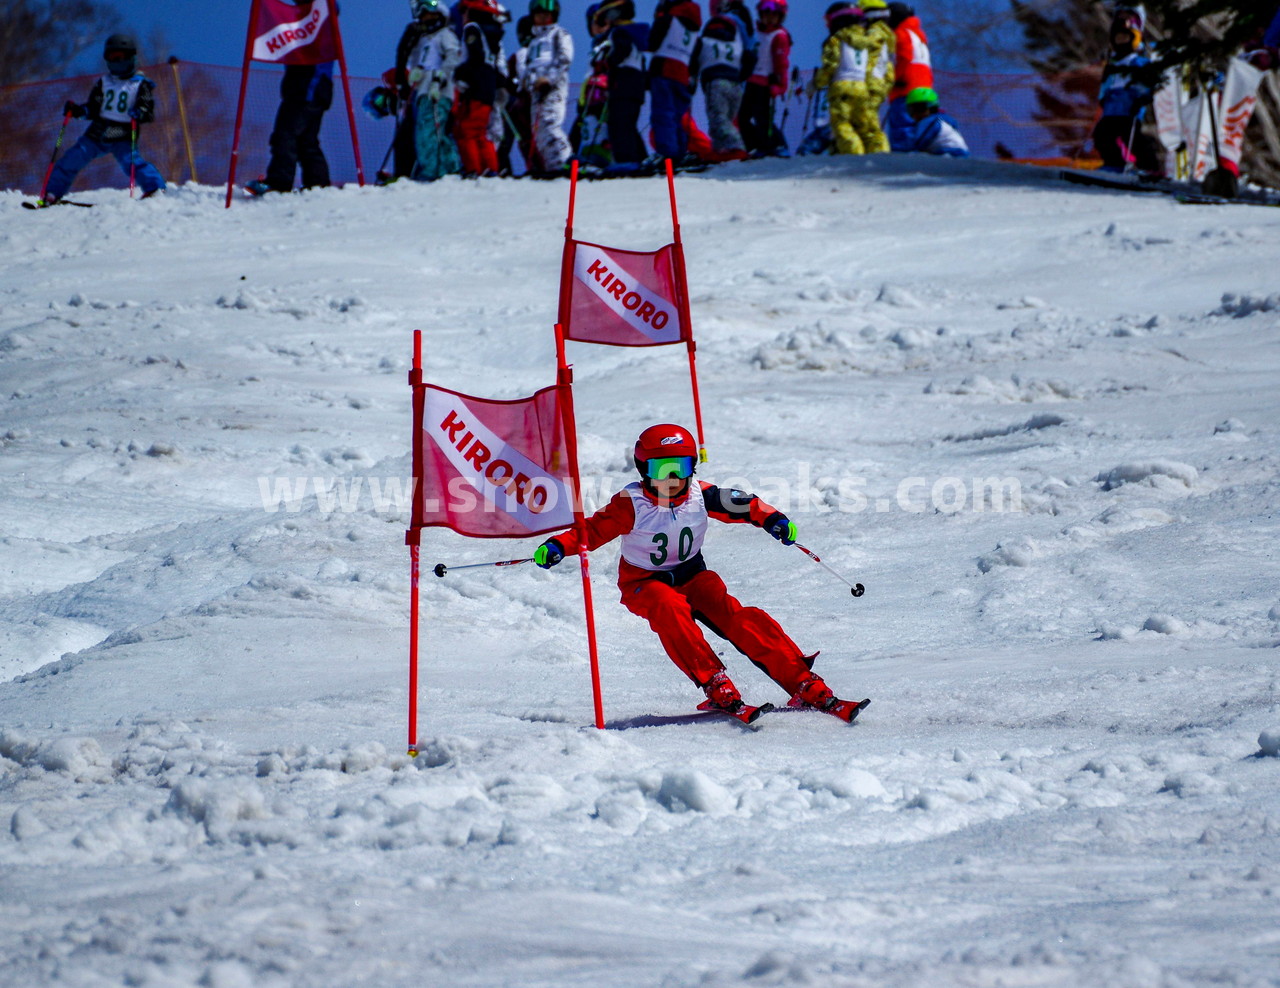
1011	389
218	805
1018	553
688	789
1241	306
1045	420
1153	473
80	758
1269	743
810	350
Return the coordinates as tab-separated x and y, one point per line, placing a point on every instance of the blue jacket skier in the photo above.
121	101
1118	134
933	131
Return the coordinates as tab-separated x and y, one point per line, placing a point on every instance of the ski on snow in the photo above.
38	204
1184	192
845	710
744	712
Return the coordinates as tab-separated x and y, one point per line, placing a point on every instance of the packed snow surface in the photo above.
1039	422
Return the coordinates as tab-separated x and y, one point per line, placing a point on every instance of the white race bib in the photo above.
664	537
119	97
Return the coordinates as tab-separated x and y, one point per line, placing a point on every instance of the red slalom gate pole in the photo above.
564	379
413	537
244	86
686	317
346	89
566	264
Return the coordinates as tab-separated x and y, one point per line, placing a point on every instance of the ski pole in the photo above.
1126	149
48	173
133	152
383	174
441	569
857	589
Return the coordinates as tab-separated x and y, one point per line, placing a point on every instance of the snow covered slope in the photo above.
1040	423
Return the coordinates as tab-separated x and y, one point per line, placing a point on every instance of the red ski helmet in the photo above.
666	442
777	6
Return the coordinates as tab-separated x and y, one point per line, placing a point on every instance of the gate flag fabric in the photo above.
487	468
306	33
627	297
492	469
624	297
291	34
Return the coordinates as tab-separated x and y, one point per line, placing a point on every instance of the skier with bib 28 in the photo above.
121	100
662	521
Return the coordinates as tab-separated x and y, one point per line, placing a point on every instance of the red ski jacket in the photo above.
617	518
912	68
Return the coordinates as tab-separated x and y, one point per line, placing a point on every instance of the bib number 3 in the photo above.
684	546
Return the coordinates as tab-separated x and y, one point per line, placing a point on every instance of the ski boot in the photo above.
722	693
723	697
813	692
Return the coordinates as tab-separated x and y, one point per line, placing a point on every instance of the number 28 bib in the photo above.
118	97
663	537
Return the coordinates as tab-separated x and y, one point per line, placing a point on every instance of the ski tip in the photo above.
754	715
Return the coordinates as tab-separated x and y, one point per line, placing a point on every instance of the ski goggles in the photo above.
665	467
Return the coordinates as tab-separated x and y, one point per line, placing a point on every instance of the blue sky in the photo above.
370	29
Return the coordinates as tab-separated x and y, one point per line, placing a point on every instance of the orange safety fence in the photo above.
1021	117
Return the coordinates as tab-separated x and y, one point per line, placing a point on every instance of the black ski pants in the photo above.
295	138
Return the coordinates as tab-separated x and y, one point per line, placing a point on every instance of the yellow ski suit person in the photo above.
881	79
856	75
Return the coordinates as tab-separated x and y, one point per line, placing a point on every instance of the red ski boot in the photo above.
722	693
813	692
723	697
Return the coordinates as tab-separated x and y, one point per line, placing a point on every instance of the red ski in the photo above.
846	710
743	711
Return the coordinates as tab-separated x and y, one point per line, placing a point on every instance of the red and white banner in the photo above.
1232	109
301	34
1168	102
492	469
1239	97
623	297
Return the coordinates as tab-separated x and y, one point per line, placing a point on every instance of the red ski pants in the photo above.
672	613
471	131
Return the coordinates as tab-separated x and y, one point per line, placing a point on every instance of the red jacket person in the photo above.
662	521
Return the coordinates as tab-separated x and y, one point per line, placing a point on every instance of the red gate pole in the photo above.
566	261
346	89
564	381
686	317
244	85
413	536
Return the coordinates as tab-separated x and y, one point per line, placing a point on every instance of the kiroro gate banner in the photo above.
294	35
624	297
492	469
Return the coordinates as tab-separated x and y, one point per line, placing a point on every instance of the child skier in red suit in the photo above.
662	520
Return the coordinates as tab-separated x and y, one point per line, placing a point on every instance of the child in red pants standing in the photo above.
476	83
662	521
